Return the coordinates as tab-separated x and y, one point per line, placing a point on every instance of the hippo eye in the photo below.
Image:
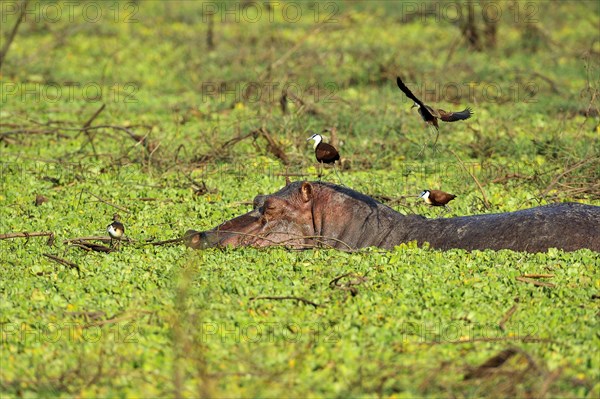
269	206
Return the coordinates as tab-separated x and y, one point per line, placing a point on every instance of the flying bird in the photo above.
431	115
324	152
436	197
115	230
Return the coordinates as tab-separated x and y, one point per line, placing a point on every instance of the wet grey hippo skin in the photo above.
305	215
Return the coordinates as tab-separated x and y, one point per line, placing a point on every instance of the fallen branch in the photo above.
290	52
173	241
283	298
349	285
492	363
485	200
570	169
535	282
548	381
538	275
273	147
311	109
13	32
508	314
85	127
94	315
108	202
90	238
91	247
63	262
26	235
510	176
491	339
93	117
333	282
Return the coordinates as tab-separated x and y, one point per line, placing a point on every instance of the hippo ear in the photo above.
306	191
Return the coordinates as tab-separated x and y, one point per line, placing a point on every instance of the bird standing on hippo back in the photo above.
437	198
431	115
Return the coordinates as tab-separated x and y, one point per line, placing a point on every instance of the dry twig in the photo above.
63	262
283	298
535	282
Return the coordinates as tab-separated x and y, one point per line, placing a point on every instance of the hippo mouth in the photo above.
251	229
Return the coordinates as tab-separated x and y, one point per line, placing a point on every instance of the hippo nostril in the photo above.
259	201
199	239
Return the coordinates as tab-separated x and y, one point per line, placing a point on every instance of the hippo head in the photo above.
282	218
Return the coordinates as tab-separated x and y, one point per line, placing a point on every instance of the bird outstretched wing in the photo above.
427	115
455	116
407	91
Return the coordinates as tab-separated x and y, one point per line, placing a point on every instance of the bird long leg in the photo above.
445	209
336	173
437	135
422	150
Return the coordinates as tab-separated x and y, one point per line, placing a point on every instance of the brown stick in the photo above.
89	121
109	203
333	282
13	32
110	321
63	262
26	235
175	240
492	363
273	147
538	275
485	200
491	339
91	238
290	52
91	247
282	298
508	314
88	134
92	314
570	169
548	381
535	282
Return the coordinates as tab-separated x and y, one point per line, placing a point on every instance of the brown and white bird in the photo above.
115	230
436	197
431	115
325	153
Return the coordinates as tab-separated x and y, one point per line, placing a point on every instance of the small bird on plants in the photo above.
431	115
115	231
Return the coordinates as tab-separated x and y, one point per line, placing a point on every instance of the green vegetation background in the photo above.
168	321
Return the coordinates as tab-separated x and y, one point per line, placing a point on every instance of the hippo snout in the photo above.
259	201
199	239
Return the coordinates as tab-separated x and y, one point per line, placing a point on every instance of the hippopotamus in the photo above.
319	214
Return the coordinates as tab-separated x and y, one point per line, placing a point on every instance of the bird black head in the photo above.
316	137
